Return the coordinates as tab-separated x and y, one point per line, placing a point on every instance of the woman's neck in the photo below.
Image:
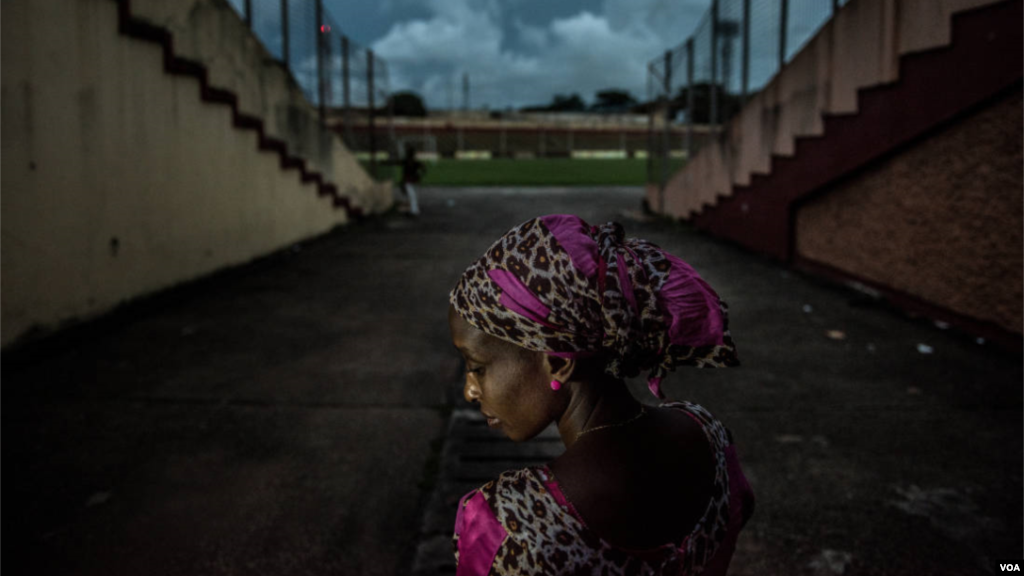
598	402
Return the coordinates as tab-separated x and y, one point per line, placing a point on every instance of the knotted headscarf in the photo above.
558	285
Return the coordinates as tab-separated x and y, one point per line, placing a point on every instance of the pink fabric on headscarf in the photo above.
686	300
517	297
558	285
581	248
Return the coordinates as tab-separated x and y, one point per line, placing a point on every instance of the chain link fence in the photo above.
344	80
736	49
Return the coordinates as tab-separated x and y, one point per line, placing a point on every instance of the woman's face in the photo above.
510	383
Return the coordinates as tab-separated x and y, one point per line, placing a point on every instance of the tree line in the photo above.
608	101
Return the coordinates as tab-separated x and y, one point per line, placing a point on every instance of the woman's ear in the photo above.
561	369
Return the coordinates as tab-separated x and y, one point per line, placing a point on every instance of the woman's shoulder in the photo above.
649	483
518	505
487	516
529	527
717	433
509	484
516	497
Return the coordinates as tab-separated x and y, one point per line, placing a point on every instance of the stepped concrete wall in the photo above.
119	180
211	32
860	47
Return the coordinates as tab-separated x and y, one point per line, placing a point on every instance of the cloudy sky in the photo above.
517	52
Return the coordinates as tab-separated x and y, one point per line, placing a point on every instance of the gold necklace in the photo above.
643	410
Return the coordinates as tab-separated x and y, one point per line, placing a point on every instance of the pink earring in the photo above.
555	384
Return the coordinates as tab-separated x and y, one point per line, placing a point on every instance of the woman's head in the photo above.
559	289
555	284
511	383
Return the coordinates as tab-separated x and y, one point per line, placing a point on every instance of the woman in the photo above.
550	321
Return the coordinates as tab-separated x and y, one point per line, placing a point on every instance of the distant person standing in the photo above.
412	171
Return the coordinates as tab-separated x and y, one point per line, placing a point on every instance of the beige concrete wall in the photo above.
212	33
117	179
941	221
858	48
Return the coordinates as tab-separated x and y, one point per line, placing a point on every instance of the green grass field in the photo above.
531	172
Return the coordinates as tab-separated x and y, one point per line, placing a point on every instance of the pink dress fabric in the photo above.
480	534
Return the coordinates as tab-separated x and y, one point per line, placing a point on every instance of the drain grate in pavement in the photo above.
473	454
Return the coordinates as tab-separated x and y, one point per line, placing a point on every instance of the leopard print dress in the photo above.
520	523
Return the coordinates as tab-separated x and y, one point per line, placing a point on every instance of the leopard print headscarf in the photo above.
558	285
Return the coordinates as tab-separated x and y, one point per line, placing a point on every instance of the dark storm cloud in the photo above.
523	51
519	52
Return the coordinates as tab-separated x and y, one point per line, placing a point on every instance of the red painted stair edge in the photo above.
759	216
133	27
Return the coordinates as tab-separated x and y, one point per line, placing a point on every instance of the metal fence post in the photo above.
320	92
285	55
783	25
393	151
746	50
345	92
329	95
713	115
835	7
666	141
504	143
373	127
650	123
689	99
248	13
